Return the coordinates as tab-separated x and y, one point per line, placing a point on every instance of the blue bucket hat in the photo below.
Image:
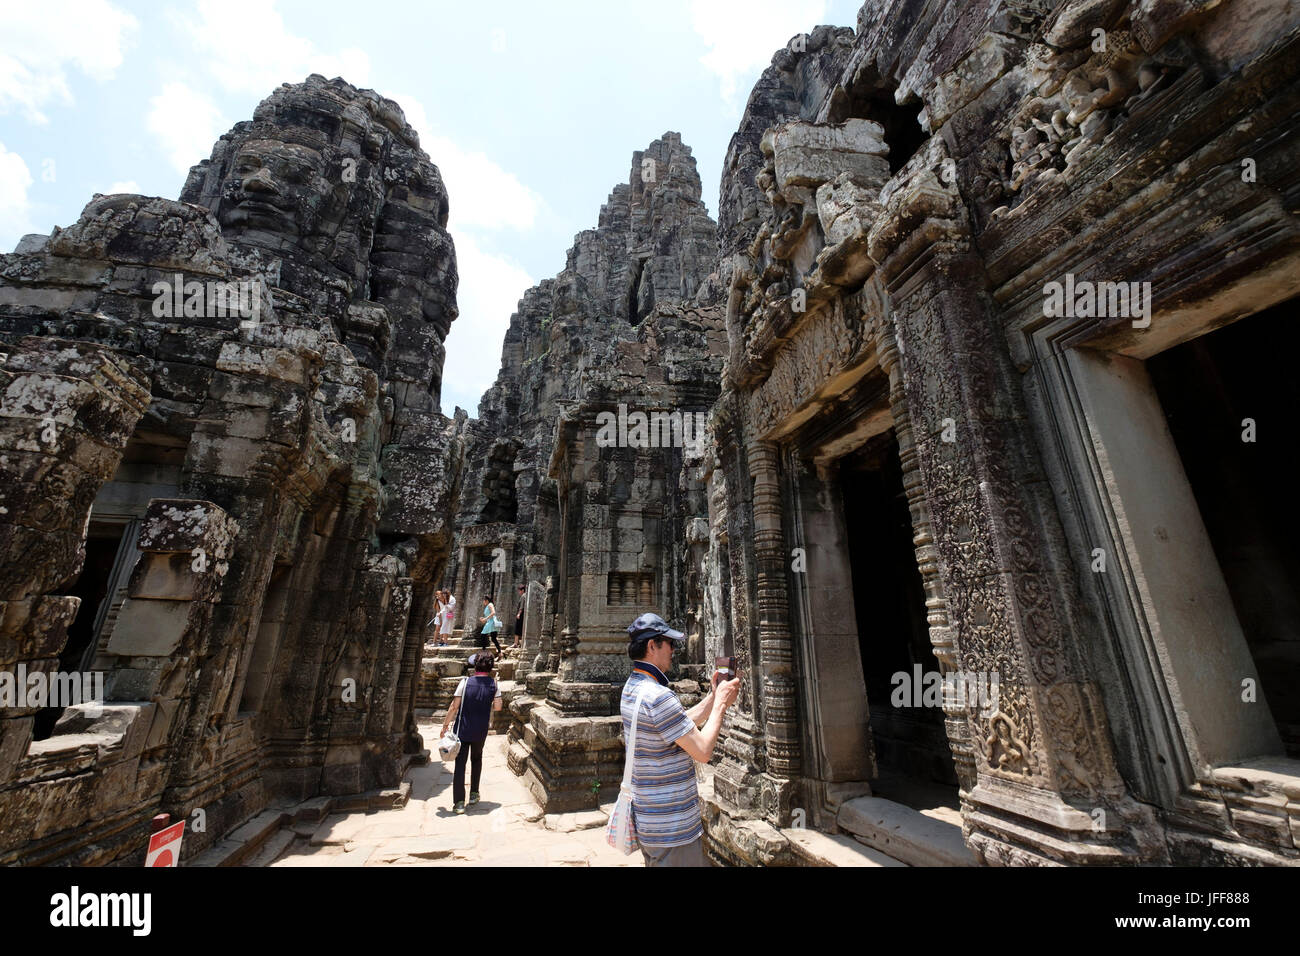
652	626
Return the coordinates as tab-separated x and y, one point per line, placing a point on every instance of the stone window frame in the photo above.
1116	493
636	577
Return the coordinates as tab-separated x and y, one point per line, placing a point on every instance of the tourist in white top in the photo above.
448	615
443	614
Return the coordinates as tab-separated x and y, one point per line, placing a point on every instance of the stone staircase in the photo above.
262	837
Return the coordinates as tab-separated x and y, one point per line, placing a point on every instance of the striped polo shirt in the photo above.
665	801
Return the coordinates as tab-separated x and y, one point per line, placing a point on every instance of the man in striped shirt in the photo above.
665	802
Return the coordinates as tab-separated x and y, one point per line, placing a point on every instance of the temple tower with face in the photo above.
230	485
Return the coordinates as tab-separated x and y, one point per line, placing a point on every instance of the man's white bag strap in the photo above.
630	751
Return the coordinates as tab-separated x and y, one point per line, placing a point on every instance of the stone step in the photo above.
517	758
270	850
449	652
903	833
815	848
243	843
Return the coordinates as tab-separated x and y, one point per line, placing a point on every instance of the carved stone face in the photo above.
275	187
327	182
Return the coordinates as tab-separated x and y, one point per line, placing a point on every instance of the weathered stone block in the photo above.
807	155
164	577
293	366
149	628
180	525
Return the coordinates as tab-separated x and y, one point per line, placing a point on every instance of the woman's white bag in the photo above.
620	832
449	744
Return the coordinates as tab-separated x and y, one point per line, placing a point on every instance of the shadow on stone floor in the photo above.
506	828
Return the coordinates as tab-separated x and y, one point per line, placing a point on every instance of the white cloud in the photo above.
15	207
489	292
482	195
743	34
39	39
247	49
186	123
244	48
128	186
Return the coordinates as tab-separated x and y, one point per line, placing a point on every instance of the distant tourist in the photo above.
443	614
448	617
477	697
519	617
436	621
665	802
491	625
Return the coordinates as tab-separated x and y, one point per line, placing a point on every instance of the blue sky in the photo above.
531	110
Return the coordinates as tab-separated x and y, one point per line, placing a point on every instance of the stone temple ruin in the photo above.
598	529
982	372
238	520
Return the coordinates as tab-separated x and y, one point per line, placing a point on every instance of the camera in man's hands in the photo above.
726	668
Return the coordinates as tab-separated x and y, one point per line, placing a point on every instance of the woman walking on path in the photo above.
491	625
477	697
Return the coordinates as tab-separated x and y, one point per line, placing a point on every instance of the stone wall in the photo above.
915	189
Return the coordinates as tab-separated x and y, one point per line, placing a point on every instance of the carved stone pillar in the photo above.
459	592
535	575
776	654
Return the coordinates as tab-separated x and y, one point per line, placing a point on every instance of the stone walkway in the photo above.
506	828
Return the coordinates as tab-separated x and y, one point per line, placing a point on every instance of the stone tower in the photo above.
228	484
596	529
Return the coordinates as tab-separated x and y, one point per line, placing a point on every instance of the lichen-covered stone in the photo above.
240	389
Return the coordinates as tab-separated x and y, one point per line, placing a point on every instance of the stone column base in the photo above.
1009	825
731	840
563	757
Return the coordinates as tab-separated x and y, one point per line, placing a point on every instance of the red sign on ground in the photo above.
165	846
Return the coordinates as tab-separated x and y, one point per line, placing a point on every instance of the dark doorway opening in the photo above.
901	123
636	308
270	631
1212	389
913	759
103	541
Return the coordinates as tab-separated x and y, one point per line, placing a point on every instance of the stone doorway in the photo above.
482	581
110	551
1230	399
913	758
